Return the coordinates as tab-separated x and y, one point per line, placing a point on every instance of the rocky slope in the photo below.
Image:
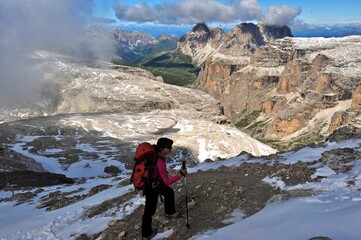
203	42
69	87
211	203
108	106
231	192
290	90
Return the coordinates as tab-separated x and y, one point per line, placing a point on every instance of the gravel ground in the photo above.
212	197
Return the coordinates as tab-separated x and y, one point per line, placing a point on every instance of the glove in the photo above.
183	172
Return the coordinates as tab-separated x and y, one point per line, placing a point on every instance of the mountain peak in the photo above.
201	27
203	42
275	30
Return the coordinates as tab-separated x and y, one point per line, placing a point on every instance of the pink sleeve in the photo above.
162	169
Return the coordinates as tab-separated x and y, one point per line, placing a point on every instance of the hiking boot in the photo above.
152	235
174	215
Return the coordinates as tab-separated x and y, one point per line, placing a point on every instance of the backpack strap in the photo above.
160	182
131	178
157	183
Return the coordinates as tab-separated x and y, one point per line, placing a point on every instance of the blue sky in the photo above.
323	12
179	15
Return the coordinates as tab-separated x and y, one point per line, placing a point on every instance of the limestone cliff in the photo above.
291	88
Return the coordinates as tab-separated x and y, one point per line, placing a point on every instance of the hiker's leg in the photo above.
151	200
169	205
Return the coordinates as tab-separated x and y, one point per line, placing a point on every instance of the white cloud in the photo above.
42	24
249	9
279	15
196	11
180	12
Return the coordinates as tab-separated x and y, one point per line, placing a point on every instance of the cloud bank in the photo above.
54	25
208	11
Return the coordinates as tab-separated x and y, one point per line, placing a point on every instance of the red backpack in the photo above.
144	162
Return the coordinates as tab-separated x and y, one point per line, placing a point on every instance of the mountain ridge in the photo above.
203	42
134	47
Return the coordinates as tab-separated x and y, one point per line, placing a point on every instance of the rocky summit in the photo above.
203	42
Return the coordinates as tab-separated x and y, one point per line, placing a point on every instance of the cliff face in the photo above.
291	87
203	42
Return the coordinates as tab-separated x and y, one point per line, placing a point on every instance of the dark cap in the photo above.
164	143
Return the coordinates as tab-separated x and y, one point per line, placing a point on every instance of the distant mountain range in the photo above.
178	60
304	30
135	47
139	47
328	31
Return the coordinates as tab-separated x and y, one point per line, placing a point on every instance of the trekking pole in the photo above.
185	186
3	152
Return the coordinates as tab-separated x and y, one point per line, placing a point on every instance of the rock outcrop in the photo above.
291	87
203	42
356	98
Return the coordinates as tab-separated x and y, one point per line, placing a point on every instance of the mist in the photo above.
27	26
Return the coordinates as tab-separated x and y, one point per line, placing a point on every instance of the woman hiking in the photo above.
160	185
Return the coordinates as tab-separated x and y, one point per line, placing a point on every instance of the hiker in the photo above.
160	185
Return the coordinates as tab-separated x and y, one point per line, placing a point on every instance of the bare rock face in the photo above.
339	119
290	87
203	42
356	98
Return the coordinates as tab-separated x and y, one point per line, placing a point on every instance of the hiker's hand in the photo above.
183	172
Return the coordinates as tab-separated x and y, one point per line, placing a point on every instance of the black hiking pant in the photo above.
151	200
